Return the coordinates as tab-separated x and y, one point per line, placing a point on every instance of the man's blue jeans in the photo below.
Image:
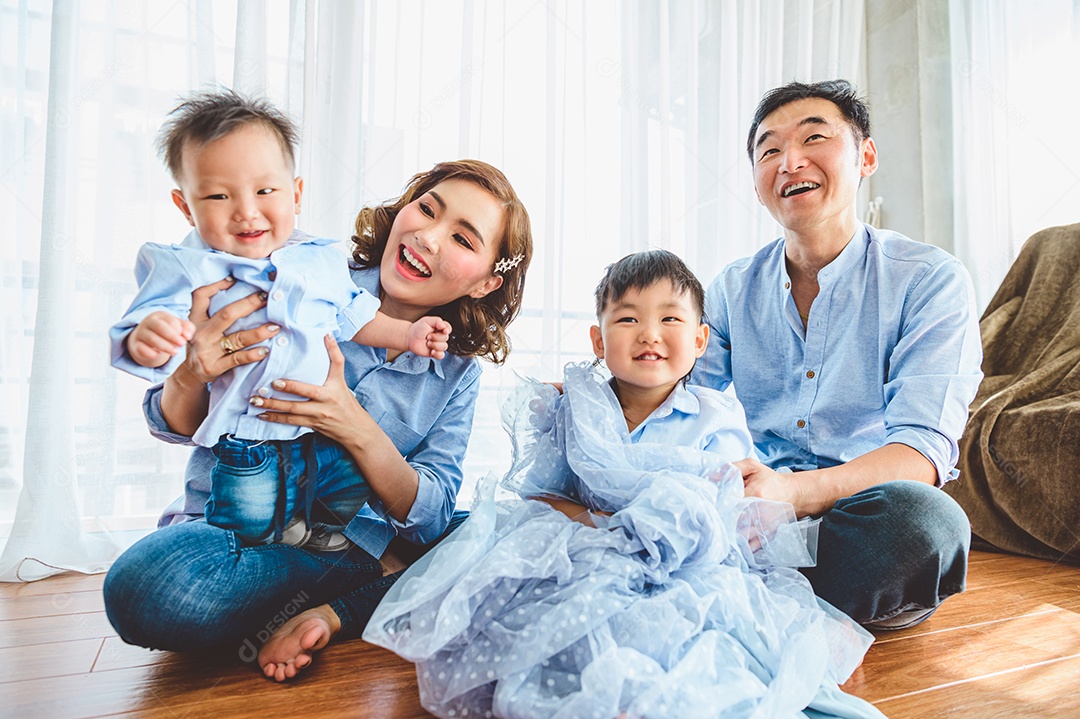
194	586
896	547
256	486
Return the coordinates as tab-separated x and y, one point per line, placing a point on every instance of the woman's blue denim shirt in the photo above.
425	406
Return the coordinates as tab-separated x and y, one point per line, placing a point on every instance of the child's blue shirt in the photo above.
309	294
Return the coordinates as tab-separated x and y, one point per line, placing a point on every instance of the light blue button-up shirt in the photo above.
424	406
309	294
891	352
700	418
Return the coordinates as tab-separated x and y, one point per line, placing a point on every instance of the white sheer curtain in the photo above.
1015	104
621	124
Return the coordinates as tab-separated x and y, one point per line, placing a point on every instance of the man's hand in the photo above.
760	481
158	338
428	337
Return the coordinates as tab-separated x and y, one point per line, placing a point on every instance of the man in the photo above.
855	352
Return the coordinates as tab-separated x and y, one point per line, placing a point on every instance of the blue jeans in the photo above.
255	486
889	549
193	586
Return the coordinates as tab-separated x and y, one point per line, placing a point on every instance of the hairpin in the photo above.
508	263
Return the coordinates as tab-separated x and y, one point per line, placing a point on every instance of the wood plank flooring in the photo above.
1008	647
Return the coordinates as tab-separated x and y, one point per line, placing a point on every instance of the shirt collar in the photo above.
681	400
852	254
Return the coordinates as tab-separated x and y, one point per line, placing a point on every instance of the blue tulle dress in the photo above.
683	603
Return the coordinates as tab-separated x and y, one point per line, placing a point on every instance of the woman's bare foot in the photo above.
292	646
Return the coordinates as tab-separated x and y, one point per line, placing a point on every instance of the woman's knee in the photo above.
161	592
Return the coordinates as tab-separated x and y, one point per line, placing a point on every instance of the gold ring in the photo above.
227	346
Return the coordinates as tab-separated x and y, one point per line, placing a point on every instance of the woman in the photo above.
456	244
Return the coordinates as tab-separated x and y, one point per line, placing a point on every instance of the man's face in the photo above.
807	166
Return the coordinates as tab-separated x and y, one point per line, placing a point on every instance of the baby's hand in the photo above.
157	338
428	337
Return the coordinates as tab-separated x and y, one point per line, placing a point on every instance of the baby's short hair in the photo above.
645	269
209	115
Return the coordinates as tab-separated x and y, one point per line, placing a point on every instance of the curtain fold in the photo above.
46	535
1015	174
621	124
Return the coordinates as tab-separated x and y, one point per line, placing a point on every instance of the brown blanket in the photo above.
1020	454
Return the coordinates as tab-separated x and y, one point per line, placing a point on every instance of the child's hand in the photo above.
157	338
428	337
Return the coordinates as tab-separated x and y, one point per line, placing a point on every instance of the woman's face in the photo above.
442	246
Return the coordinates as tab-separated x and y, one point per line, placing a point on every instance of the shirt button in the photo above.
278	294
787	285
810	374
800	424
263	391
282	341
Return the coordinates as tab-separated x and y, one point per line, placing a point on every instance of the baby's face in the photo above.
239	192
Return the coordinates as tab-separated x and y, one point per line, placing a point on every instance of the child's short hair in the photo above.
479	324
644	269
209	115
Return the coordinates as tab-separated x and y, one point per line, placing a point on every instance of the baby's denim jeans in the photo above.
256	487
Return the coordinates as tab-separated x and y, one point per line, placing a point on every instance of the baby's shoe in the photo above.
296	533
325	540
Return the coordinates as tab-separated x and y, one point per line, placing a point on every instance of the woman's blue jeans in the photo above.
893	548
194	586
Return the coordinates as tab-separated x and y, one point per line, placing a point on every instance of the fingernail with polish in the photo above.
263	296
256	401
278	384
263	351
273	328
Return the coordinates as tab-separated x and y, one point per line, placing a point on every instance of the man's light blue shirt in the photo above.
309	294
890	354
424	406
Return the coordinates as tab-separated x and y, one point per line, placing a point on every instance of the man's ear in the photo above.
868	160
597	341
298	191
179	201
487	287
701	340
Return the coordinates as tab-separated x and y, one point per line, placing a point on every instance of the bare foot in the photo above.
291	647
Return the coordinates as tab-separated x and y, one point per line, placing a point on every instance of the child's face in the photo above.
442	246
650	338
239	192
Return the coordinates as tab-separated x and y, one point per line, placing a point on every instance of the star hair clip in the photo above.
508	263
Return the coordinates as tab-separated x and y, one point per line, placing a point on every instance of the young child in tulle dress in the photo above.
634	579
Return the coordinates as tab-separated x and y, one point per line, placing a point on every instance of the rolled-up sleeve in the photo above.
155	420
934	369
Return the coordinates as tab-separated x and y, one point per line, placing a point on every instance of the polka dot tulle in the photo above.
685	602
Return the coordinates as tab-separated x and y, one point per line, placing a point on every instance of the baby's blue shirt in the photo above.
310	294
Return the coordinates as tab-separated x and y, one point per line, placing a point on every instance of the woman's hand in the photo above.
210	353
331	409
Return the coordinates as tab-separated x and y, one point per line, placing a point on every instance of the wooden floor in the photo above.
1009	647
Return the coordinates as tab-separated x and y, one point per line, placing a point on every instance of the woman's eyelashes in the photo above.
458	238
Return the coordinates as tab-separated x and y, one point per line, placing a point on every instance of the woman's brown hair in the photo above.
479	323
